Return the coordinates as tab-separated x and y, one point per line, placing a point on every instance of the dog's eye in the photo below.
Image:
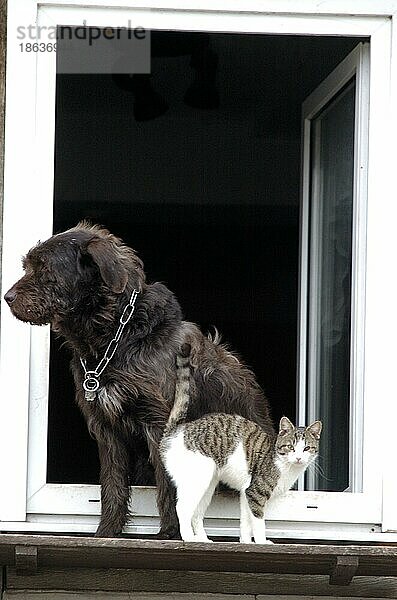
28	269
25	264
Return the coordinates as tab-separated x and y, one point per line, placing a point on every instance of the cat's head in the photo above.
298	445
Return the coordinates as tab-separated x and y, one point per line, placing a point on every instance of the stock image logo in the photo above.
89	49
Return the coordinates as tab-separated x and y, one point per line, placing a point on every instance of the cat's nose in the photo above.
298	459
10	296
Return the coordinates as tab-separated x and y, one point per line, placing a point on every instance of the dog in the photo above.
124	335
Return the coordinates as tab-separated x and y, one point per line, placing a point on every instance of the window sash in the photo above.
356	65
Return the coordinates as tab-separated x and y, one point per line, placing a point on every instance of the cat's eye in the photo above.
287	446
307	448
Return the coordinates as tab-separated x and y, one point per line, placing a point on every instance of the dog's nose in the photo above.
10	297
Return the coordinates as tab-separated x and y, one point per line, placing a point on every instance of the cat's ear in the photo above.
315	429
285	426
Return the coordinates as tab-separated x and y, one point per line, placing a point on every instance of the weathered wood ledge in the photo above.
27	553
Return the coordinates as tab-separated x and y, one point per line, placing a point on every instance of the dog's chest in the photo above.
109	402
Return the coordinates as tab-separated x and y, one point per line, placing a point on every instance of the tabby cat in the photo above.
230	449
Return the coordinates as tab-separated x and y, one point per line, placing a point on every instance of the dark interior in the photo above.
198	169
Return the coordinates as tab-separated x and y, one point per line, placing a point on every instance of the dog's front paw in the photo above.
170	533
106	532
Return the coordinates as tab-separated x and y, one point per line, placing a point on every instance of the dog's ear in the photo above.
111	268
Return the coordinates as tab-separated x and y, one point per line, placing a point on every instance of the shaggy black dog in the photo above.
81	282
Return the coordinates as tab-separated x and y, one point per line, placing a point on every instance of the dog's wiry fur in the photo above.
80	281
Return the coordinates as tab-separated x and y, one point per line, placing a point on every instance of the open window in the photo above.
224	169
206	186
205	183
208	189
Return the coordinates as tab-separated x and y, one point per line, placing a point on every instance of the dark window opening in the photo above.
204	182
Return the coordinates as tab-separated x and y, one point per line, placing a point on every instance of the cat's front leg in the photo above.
257	497
252	525
245	520
259	529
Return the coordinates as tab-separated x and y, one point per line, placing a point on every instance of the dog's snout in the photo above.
10	296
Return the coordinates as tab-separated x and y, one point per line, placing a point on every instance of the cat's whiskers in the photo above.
315	468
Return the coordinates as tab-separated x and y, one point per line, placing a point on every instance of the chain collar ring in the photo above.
91	383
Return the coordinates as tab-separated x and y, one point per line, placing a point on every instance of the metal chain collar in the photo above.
91	382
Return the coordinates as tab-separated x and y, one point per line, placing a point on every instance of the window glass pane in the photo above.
330	285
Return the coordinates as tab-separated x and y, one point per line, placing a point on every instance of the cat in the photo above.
224	448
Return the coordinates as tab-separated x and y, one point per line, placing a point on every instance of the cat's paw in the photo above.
202	537
263	541
197	538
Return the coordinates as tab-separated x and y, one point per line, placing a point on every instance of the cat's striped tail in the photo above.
182	389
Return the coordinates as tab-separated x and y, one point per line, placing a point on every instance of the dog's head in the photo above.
76	268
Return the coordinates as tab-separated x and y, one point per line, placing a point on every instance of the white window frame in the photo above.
26	501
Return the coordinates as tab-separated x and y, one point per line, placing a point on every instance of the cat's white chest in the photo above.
289	473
